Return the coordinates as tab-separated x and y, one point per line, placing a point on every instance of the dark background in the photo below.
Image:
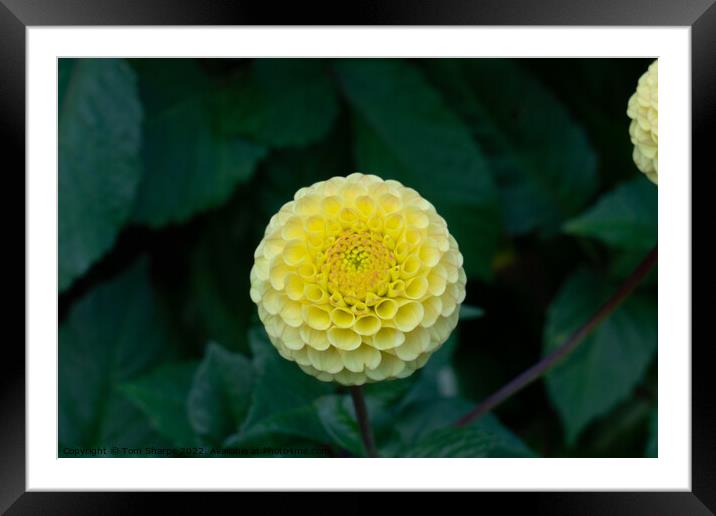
199	154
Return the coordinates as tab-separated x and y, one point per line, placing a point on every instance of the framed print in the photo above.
414	250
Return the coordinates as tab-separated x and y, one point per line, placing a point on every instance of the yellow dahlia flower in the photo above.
358	280
643	109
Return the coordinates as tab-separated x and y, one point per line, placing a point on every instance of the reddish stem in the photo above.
363	422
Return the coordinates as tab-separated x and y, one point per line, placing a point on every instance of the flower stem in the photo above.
363	422
534	372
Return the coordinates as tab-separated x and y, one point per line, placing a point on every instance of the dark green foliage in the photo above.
541	159
623	218
162	395
99	133
189	164
282	401
281	102
112	335
170	169
219	397
611	360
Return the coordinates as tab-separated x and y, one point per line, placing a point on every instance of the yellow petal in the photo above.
351	191
343	338
307	271
291	313
367	325
342	317
295	253
429	255
293	229
316	317
388	338
416	287
315	225
413	237
261	268
348	217
410	266
413	345
396	288
386	309
329	360
416	218
277	274
409	316
293	286
315	294
365	206
314	338
436	283
273	302
389	366
308	205
393	225
401	250
360	358
389	203
273	247
433	307
300	356
291	338
331	206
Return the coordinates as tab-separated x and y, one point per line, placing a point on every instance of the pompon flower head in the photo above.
358	280
643	109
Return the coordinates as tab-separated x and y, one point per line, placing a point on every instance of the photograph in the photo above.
357	257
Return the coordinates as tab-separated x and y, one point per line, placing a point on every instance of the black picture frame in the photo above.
17	15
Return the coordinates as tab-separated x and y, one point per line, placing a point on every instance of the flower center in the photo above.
357	263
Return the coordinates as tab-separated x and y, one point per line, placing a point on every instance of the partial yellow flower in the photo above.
358	280
643	109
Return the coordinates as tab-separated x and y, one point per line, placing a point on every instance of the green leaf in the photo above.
455	442
418	419
652	445
99	135
415	423
220	394
162	396
225	309
301	422
618	434
281	103
282	400
542	160
507	444
625	217
338	417
468	312
425	427
111	335
604	369
167	82
190	167
220	262
404	131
